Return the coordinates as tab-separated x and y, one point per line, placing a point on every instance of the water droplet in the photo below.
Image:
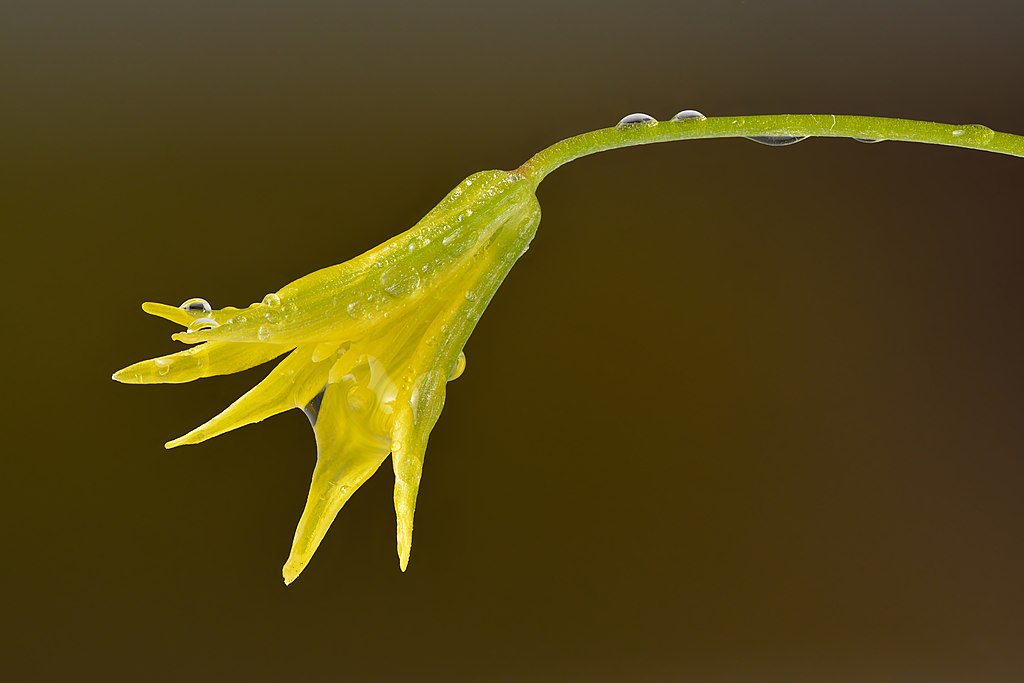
264	333
272	300
202	324
312	409
470	295
460	367
447	239
637	119
867	141
396	445
196	305
353	309
163	366
360	399
240	319
687	114
974	134
777	140
399	281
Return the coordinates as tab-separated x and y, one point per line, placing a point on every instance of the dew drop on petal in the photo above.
396	446
867	141
447	239
638	119
687	114
263	334
399	281
460	367
312	409
777	140
202	324
272	300
196	305
163	366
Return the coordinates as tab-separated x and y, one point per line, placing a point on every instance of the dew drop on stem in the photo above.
776	140
638	119
687	114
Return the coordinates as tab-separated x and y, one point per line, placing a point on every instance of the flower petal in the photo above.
175	314
421	402
349	451
292	384
410	434
204	360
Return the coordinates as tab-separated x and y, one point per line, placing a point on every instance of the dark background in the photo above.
740	414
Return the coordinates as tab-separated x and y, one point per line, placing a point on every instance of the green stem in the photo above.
969	136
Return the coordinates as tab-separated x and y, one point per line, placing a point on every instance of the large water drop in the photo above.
202	324
777	140
687	114
312	409
638	119
460	367
196	305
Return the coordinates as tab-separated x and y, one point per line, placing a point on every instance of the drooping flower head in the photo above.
372	342
370	345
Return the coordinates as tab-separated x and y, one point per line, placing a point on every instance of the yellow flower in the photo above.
371	344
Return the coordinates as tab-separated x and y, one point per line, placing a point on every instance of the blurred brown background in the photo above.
740	414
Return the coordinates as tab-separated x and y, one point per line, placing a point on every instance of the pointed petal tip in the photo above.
171	313
291	570
404	547
184	440
127	376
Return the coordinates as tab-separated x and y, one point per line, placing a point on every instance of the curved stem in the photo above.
969	136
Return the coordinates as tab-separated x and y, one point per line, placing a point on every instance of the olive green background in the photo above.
740	414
